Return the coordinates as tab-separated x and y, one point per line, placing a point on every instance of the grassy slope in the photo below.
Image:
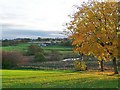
58	79
19	47
58	48
61	49
22	47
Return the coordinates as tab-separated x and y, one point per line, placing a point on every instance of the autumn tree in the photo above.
94	29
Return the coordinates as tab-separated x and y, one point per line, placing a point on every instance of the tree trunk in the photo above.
81	57
115	66
102	65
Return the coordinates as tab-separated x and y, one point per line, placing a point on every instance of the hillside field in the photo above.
19	47
23	48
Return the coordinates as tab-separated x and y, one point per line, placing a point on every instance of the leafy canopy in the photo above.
94	29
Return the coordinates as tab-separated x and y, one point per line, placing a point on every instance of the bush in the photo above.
39	57
55	56
11	59
67	43
71	55
33	49
80	66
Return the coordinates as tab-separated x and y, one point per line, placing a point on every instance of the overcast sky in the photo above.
43	15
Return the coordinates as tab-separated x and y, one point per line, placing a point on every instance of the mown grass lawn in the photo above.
58	79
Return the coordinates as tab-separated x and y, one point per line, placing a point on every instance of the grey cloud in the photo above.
9	33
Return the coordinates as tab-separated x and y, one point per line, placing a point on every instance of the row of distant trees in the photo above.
63	41
14	42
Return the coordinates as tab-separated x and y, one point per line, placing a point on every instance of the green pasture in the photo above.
57	48
19	47
23	47
61	49
58	79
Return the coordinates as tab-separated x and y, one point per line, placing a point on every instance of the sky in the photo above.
35	15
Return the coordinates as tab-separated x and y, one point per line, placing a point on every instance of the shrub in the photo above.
80	66
33	49
67	43
39	57
11	59
71	55
55	56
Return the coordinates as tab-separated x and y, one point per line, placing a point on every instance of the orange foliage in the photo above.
94	28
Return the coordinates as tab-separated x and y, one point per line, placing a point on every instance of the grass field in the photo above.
58	79
58	48
23	47
19	47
